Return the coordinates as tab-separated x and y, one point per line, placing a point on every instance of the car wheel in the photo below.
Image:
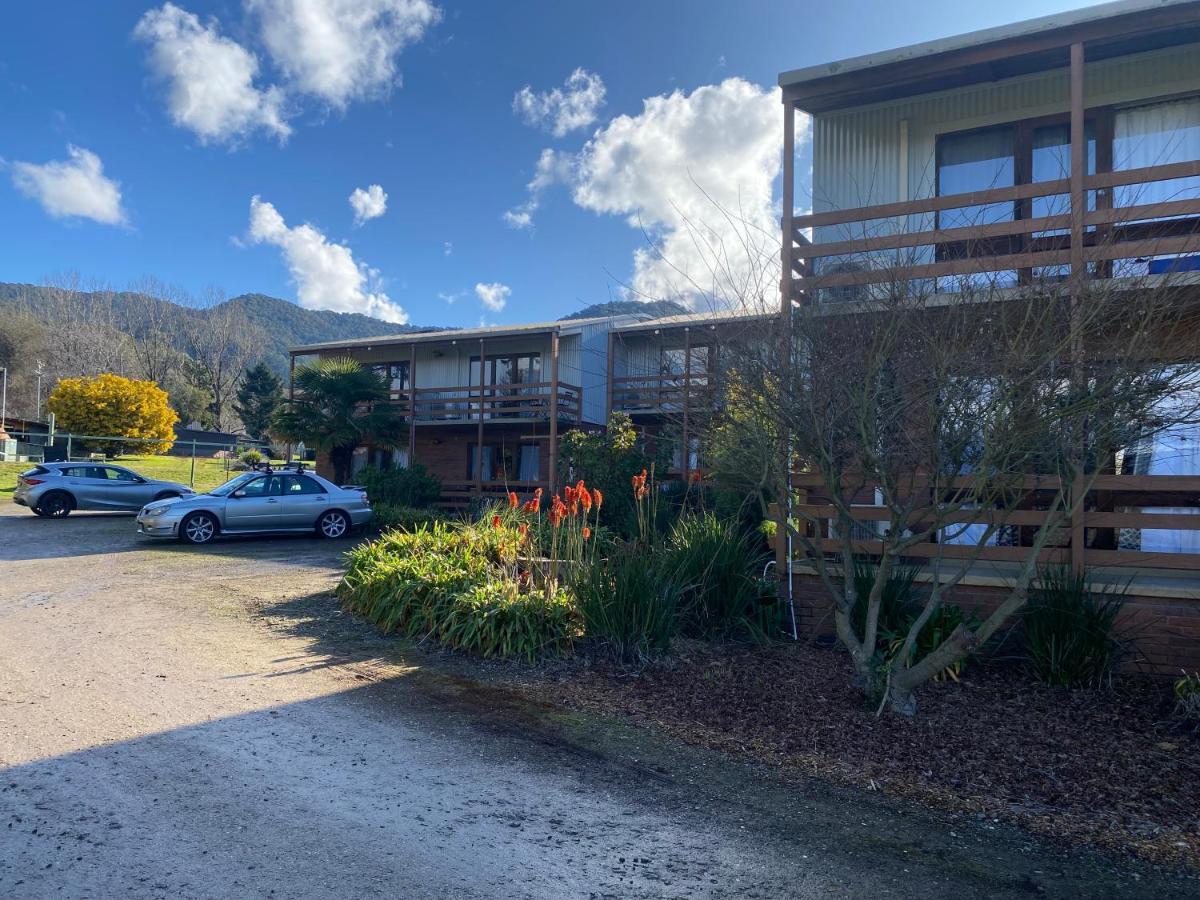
55	505
198	528
333	524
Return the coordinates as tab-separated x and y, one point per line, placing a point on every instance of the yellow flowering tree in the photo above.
111	406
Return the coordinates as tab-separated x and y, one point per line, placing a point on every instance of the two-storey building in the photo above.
1063	149
669	374
484	407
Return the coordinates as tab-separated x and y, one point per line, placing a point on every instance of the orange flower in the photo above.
558	512
495	521
695	477
574	507
532	506
537	495
513	502
523	529
569	494
598	498
587	532
585	497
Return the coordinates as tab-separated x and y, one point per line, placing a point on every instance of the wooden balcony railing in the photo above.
662	394
1125	522
496	403
901	242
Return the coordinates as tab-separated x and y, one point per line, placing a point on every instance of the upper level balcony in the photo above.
1065	149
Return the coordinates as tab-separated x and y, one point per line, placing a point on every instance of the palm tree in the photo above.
338	406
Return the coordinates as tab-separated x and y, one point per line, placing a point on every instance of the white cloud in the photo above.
74	188
210	77
552	167
341	50
696	172
493	296
564	109
326	275
450	297
447	248
368	204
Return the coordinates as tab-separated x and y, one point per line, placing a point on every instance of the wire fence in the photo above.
216	459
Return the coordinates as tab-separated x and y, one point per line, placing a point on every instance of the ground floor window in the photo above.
504	462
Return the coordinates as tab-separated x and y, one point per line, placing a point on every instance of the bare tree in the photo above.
944	421
152	317
222	342
82	336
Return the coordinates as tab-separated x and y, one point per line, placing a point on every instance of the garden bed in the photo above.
1101	767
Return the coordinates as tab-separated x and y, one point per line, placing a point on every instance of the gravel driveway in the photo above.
184	723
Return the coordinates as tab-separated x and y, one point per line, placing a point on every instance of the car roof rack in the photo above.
267	469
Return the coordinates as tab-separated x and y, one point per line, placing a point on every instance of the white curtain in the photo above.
1156	135
1176	451
528	465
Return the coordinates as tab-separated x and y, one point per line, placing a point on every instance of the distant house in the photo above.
200	442
484	408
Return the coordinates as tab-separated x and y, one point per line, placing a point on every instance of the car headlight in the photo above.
157	510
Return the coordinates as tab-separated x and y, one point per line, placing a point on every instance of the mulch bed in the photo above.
1105	767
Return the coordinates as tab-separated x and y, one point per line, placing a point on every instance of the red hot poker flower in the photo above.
513	502
495	522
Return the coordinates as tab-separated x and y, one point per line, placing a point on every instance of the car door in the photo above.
125	490
302	502
89	485
254	506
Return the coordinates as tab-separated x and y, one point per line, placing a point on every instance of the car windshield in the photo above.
232	485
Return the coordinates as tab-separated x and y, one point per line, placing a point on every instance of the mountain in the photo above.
285	324
655	309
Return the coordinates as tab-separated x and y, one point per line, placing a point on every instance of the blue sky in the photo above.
430	118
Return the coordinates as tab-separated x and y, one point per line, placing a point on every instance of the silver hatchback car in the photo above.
54	489
264	501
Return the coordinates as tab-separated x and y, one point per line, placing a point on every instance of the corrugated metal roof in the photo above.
699	319
971	39
562	326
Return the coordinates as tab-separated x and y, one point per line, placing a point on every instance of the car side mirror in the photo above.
239	493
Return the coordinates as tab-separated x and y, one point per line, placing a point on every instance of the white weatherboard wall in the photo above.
857	153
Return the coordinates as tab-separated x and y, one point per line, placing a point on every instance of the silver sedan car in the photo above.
54	489
268	501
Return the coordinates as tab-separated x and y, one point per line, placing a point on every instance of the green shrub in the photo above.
252	457
946	618
1187	699
458	585
628	602
719	569
395	486
898	605
1070	627
405	518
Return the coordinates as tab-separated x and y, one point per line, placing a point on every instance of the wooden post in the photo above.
1078	170
291	399
479	432
687	402
789	192
608	382
1077	277
412	404
554	411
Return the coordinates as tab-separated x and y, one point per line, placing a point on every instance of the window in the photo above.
396	374
976	161
520	368
265	486
674	361
298	485
529	469
498	463
121	475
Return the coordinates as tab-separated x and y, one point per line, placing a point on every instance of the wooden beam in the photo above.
479	427
1077	276
553	461
687	380
608	382
412	405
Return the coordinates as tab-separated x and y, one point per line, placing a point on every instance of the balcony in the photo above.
1127	522
670	394
534	401
897	247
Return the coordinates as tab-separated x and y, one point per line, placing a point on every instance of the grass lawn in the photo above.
209	472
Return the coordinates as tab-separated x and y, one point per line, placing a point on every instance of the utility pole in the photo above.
39	371
4	398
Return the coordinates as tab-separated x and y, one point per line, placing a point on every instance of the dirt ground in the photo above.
183	723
